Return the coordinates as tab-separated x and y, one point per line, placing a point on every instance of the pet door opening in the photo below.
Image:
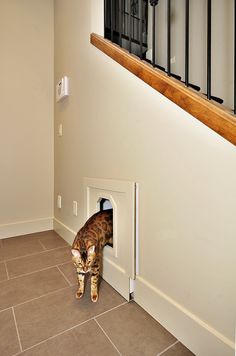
105	204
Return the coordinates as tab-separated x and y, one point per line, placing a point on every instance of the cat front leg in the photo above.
80	292
94	284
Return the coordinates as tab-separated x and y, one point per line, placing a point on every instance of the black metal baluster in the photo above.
154	3
187	24
209	66
187	43
112	29
168	37
120	22
153	33
130	40
141	28
125	18
209	49
235	56
105	17
133	20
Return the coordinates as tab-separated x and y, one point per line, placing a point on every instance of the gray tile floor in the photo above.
39	315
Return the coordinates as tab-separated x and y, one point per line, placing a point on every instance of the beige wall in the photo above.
115	126
26	115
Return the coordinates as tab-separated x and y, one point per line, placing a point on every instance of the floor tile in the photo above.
0	243
39	261
21	289
9	344
68	269
178	350
134	332
1	254
3	272
19	246
84	340
47	316
50	240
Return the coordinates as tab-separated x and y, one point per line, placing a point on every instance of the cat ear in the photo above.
75	253
91	250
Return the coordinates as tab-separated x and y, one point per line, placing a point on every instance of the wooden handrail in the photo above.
213	115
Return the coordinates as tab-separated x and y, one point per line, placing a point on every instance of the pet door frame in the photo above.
119	262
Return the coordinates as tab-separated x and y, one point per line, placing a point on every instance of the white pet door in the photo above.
118	258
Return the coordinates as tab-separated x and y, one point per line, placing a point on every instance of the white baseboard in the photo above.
194	333
25	227
64	231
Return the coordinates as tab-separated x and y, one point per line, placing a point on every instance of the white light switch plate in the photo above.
62	89
60	130
59	201
75	208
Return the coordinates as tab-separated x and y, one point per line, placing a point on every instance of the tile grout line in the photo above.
64	276
73	327
6	271
41	296
42	245
17	331
107	337
30	300
53	336
168	348
33	254
1	311
64	263
29	273
107	311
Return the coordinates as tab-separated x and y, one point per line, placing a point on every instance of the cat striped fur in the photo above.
87	249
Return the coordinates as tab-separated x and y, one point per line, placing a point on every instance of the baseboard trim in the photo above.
194	333
64	231
25	227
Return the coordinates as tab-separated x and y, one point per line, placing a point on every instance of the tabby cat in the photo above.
87	249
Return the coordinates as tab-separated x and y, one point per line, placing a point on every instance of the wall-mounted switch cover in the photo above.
59	201
75	208
60	130
62	89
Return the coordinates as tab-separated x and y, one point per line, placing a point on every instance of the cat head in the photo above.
83	259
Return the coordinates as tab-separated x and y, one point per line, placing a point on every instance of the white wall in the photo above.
26	115
115	126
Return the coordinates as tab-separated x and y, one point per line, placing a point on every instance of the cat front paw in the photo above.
79	295
94	297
